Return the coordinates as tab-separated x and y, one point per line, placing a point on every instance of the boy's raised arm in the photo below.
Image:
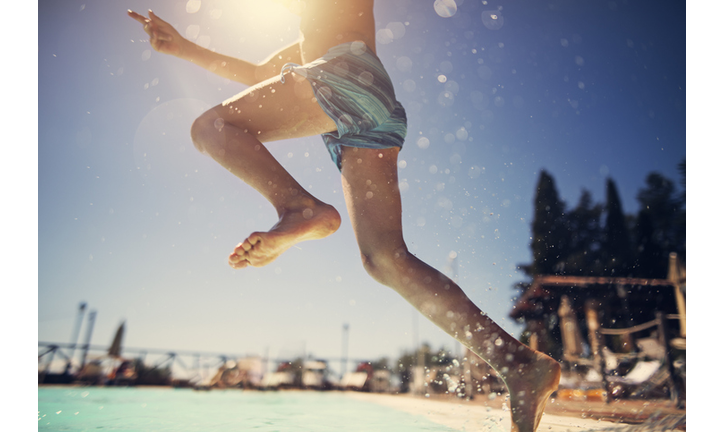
166	40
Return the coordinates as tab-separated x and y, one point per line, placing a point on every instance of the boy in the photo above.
331	82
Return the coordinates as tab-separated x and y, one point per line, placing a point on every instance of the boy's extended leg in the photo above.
369	179
232	134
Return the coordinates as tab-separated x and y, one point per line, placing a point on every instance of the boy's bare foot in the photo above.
308	222
530	387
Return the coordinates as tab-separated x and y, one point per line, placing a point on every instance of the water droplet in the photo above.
409	85
446	99
193	6
204	41
445	8
484	72
192	31
357	48
366	78
492	19
404	64
384	36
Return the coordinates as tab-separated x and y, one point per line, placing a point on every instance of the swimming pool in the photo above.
168	409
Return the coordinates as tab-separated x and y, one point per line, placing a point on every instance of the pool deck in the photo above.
559	416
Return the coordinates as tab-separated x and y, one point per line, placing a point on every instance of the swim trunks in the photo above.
353	88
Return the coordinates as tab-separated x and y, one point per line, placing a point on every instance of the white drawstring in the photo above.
289	66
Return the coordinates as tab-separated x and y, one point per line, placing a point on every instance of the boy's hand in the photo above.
164	38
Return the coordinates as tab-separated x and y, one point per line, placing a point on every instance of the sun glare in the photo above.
262	17
254	27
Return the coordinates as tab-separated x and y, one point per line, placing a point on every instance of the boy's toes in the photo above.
242	247
237	262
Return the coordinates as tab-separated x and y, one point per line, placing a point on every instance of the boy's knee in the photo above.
384	264
203	127
197	133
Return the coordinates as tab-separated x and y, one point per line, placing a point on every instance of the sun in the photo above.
252	28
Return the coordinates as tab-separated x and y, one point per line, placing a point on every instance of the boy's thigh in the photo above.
272	110
369	180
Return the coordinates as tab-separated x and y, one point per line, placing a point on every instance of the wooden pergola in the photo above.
613	302
609	306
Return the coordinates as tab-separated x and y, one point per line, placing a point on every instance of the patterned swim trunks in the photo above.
355	91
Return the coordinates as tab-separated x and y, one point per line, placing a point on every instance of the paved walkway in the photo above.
471	416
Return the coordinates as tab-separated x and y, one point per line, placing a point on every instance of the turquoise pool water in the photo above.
167	409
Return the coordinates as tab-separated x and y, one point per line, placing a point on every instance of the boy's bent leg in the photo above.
369	179
232	134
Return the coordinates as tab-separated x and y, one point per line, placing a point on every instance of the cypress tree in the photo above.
659	226
584	256
550	234
617	242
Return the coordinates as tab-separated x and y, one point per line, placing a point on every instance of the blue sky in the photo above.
133	221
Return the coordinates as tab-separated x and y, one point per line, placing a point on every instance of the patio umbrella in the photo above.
115	348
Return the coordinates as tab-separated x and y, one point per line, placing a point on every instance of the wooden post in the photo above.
594	337
664	338
571	334
627	342
676	275
536	328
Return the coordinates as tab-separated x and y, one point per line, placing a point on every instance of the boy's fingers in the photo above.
155	17
148	25
136	16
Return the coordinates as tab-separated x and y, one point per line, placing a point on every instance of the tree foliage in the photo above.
600	239
551	241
